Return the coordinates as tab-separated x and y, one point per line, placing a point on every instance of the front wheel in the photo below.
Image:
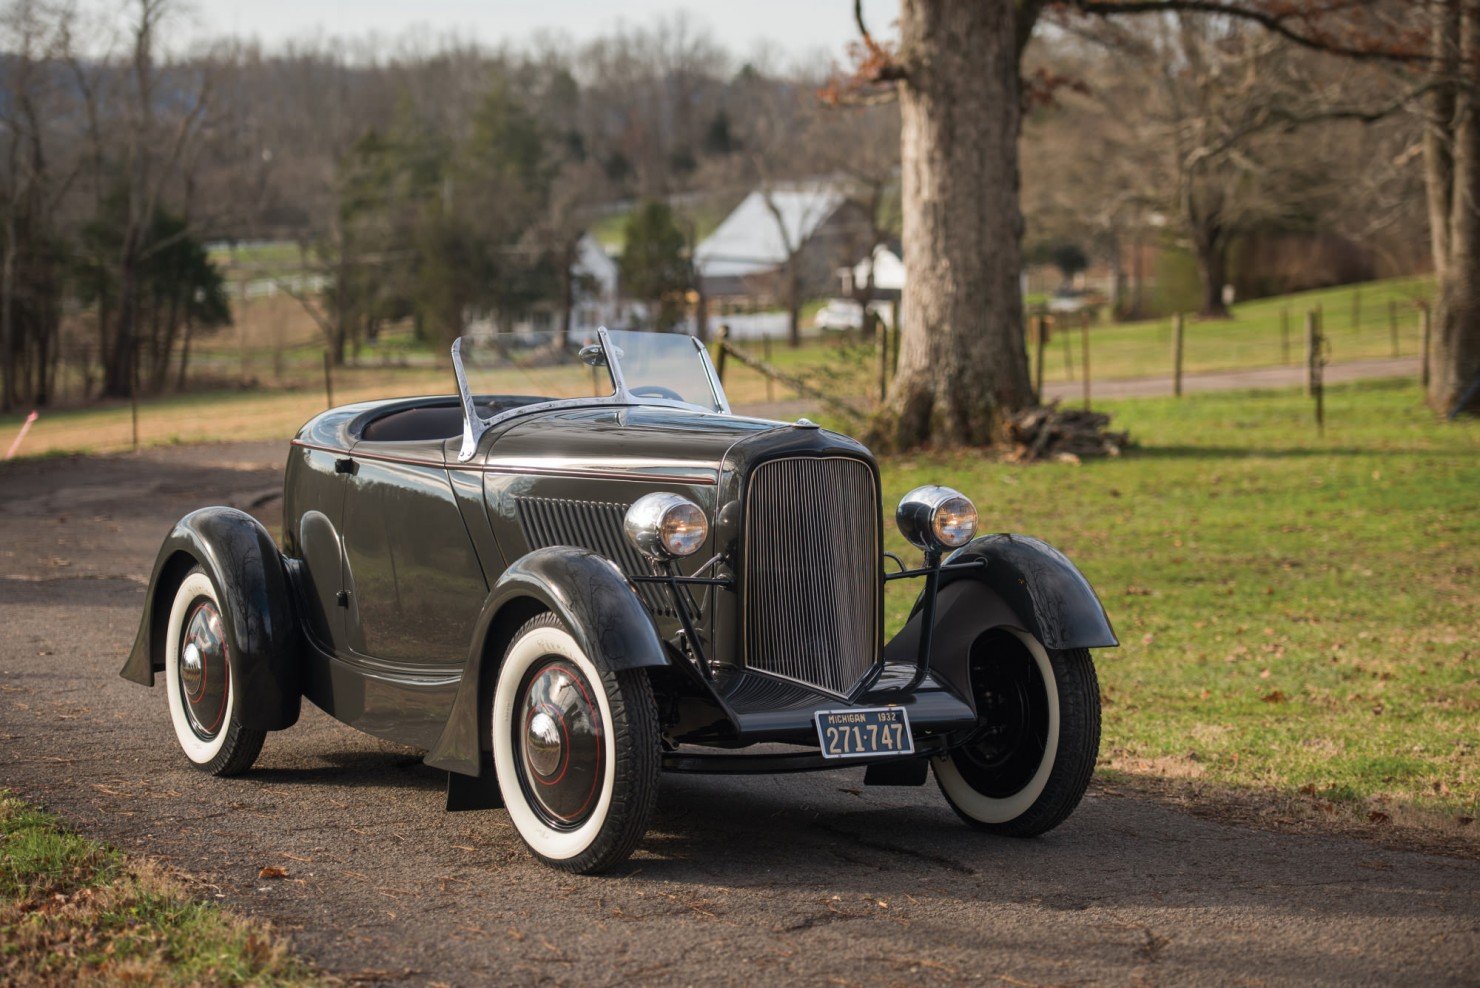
575	746
1025	768
202	697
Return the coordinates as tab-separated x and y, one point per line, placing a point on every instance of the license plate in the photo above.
858	733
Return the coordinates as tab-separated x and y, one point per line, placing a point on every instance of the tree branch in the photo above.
1278	22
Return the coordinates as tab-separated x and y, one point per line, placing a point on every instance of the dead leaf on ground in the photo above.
273	871
1278	696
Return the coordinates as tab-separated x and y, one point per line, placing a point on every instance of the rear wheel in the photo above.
575	746
1030	759
202	697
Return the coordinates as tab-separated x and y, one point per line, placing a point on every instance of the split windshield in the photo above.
664	365
620	364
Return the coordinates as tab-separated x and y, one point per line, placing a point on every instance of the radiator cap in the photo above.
805	424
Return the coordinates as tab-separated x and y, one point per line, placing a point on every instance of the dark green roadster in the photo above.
559	594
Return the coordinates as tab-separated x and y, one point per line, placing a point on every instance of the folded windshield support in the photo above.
610	355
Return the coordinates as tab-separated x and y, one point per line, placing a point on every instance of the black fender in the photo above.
590	596
247	571
1025	584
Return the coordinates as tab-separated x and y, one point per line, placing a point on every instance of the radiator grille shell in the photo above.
811	593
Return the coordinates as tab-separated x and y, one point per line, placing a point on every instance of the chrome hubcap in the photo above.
561	749
192	668
205	672
542	744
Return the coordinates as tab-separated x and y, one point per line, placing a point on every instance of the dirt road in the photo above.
802	878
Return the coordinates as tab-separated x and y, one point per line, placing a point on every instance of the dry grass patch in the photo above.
74	911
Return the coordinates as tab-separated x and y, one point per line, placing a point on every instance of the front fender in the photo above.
1027	584
246	569
1042	587
593	600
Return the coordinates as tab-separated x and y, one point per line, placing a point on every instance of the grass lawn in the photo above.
72	910
1356	318
1296	613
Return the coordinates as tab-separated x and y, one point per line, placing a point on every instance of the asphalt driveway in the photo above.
808	878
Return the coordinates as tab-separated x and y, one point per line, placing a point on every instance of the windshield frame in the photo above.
475	425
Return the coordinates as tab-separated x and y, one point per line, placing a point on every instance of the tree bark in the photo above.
1212	269
963	362
1454	213
118	375
793	292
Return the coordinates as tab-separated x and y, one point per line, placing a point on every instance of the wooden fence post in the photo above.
1177	329
1312	318
133	390
1425	323
1315	385
770	381
894	336
881	337
1284	334
1312	340
328	379
1068	358
1393	323
724	343
1042	323
1084	356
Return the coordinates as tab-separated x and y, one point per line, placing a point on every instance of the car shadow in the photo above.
1112	852
400	768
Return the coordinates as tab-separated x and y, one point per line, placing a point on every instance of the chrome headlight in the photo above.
936	518
664	526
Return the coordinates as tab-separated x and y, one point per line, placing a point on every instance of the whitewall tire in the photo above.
575	747
1029	763
201	695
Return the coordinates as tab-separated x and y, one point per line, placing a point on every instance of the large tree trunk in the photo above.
963	363
1212	270
1452	153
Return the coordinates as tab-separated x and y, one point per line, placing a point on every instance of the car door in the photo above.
413	579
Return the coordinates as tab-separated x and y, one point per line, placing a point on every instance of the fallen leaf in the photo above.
272	871
1278	696
1377	816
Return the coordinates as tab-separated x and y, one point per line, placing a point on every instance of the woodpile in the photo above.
1064	435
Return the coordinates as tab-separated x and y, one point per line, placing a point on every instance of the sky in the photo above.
795	28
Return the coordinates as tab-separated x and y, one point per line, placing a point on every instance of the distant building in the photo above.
597	287
889	274
744	259
597	300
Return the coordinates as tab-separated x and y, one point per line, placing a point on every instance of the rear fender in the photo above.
592	599
246	569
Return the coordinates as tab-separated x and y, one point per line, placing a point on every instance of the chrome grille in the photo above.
594	525
811	589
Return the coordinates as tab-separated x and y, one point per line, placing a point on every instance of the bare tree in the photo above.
861	144
35	175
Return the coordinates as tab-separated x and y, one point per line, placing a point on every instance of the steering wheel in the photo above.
655	391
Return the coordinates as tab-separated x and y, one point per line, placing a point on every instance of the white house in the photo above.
746	255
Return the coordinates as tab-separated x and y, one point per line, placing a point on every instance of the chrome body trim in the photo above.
602	468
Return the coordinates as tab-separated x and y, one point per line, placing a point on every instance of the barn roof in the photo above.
749	240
